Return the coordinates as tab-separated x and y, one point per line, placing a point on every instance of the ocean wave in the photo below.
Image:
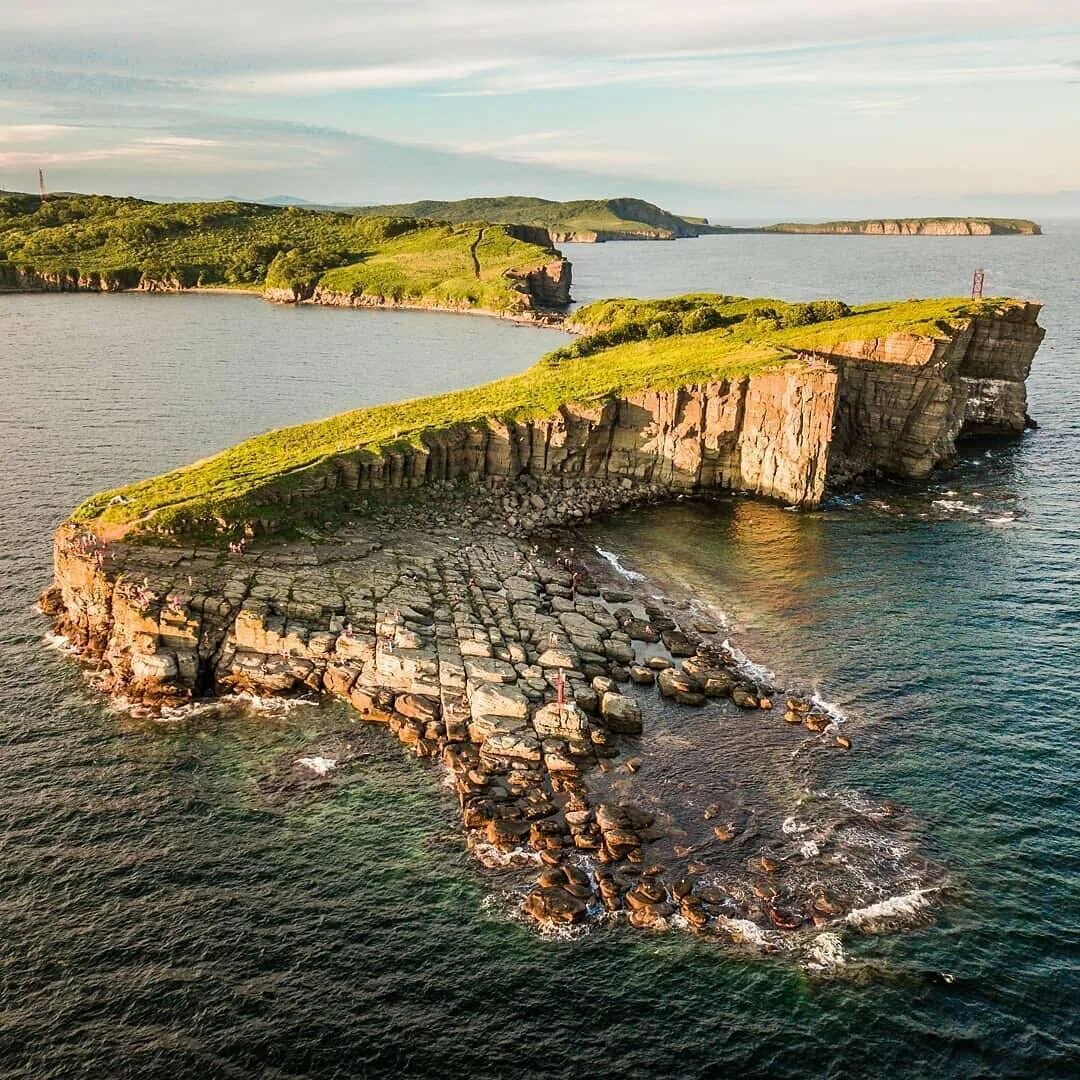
748	667
954	506
495	859
900	908
826	953
60	643
613	559
830	708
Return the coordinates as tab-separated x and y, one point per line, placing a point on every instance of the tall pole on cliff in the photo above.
41	183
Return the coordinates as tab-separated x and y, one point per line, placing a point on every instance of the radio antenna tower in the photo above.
41	183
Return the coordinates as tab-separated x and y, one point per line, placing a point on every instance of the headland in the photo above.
418	560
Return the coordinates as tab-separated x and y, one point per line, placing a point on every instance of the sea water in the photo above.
180	898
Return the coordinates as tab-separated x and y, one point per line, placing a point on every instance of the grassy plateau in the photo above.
128	243
627	345
622	216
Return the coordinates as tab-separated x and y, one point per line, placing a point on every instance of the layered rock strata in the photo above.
903	401
912	227
892	406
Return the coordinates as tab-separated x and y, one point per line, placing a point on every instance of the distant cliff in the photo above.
940	226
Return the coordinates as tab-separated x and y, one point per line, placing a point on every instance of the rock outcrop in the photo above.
949	226
893	406
904	401
510	667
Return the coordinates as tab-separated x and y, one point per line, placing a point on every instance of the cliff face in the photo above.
903	401
892	406
542	290
912	227
26	279
767	434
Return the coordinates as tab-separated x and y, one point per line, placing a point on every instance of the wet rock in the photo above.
678	643
621	714
744	697
642	675
560	721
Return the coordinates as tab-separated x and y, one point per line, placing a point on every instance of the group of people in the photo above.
93	547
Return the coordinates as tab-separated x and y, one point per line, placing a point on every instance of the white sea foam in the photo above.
277	706
60	643
829	709
791	826
320	766
613	559
826	953
744	664
956	506
745	932
495	859
905	906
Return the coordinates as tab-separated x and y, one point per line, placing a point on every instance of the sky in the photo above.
737	109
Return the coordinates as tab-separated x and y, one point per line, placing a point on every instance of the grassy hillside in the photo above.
125	243
648	344
603	216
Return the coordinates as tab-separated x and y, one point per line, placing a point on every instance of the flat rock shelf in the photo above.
543	686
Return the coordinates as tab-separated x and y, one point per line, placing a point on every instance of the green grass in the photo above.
246	245
247	481
621	215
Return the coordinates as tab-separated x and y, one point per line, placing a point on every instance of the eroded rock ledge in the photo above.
442	620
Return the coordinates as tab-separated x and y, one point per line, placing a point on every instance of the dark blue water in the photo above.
173	906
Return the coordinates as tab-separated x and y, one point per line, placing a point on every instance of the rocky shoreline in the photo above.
544	292
551	693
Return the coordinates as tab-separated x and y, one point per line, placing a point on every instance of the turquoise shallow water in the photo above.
174	905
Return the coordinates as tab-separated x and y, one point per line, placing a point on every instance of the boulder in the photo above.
492	699
622	714
557	658
555	721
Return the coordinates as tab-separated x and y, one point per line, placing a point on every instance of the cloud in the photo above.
371	77
560	148
31	133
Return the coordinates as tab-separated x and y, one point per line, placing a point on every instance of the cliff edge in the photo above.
682	395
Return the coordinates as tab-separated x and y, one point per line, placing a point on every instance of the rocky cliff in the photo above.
911	227
543	292
903	401
892	406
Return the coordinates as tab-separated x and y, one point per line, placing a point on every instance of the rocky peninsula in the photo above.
418	561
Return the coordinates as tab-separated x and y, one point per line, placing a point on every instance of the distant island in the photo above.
600	220
105	244
921	226
588	221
